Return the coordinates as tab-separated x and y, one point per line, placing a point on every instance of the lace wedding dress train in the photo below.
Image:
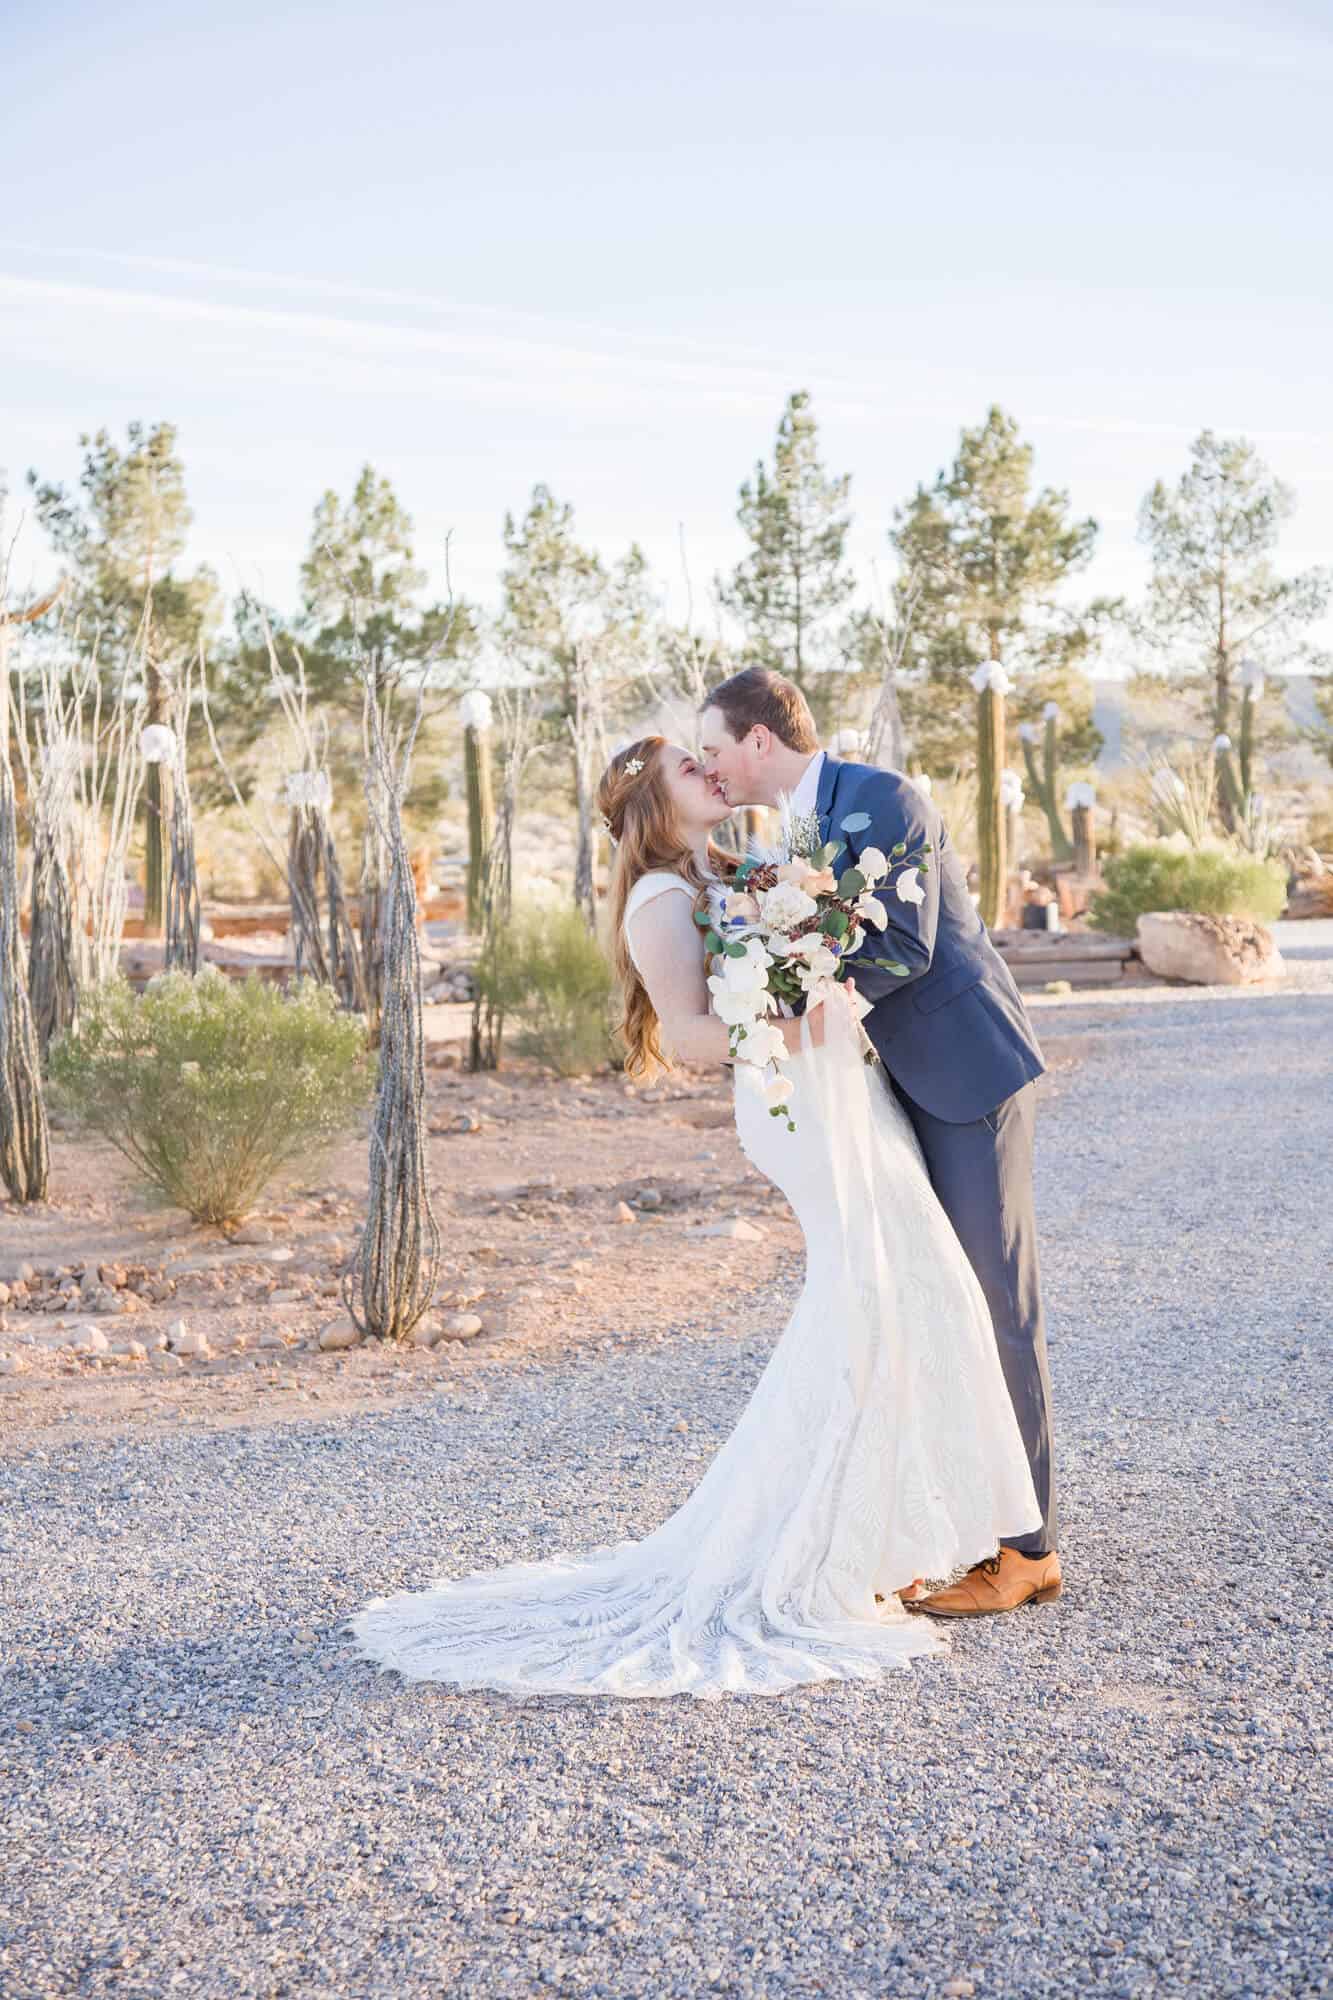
879	1444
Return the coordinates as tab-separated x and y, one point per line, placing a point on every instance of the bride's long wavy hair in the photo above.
637	808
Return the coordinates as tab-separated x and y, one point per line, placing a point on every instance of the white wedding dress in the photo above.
878	1445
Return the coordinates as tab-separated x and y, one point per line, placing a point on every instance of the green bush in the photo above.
550	977
209	1085
1208	881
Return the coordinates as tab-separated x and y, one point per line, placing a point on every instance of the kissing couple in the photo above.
891	1470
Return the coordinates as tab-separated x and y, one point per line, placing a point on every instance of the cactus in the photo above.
1043	779
476	715
1229	782
992	684
1080	799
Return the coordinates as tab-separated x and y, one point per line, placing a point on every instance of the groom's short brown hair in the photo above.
757	694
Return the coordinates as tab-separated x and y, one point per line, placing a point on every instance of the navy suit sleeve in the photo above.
898	812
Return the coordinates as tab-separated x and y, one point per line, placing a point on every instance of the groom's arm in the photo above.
898	812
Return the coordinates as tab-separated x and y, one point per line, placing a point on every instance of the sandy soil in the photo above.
527	1174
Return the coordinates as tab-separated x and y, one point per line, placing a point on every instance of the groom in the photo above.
959	1050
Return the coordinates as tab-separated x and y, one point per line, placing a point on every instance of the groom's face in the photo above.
733	764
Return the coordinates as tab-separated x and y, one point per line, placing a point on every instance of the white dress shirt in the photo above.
806	796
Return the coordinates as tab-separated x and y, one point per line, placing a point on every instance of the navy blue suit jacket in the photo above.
953	1034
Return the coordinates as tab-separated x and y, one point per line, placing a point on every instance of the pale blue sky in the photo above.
597	245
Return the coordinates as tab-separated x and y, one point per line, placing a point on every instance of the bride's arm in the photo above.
669	947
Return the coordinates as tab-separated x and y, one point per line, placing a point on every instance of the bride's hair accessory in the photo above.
634	766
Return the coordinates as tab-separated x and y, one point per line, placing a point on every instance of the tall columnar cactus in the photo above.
1080	800
158	743
1251	694
992	685
1044	779
1230	785
475	711
1012	797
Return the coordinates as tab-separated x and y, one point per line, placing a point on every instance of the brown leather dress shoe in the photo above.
1000	1583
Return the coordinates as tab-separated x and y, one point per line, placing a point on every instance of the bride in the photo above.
879	1445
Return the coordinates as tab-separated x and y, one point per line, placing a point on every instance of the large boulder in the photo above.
1208	951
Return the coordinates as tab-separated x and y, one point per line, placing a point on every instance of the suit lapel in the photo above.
830	772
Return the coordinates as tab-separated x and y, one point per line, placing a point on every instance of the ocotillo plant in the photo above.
48	743
1044	780
992	684
476	715
25	1157
1080	800
25	1146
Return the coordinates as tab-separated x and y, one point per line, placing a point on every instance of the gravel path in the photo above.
1119	1793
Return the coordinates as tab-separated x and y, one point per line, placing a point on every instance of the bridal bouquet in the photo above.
783	929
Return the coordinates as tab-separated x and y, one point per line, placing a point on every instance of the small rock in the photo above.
89	1340
4	1296
185	1339
333	1337
460	1326
11	1364
425	1333
253	1232
131	1350
648	1198
680	1424
286	1295
154	1339
19	1274
624	1213
164	1362
958	1989
736	1229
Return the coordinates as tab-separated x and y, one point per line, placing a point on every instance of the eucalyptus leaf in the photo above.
851	883
733	948
712	941
855	822
834	923
891	965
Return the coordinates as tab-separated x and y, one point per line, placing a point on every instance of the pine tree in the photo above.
1215	597
992	559
788	592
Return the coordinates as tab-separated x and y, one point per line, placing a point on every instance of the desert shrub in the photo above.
1208	881
209	1086
551	981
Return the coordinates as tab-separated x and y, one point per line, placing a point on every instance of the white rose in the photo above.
872	911
910	888
873	864
785	906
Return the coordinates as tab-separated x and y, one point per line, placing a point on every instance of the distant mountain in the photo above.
1134	727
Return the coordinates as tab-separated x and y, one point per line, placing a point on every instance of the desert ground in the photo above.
1122	1792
